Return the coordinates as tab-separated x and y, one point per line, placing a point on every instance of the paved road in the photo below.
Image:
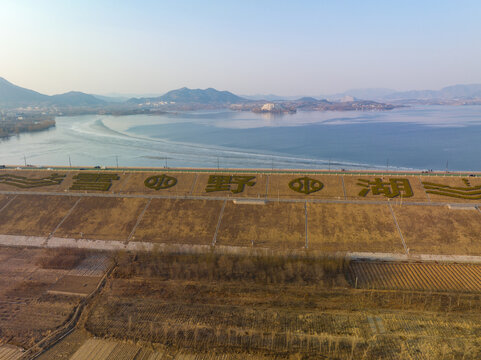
257	171
113	245
222	198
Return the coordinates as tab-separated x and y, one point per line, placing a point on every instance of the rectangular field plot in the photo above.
231	185
94	349
415	276
172	221
4	200
102	218
352	227
34	180
274	225
35	215
452	189
157	183
360	187
306	187
10	352
75	285
27	312
93	265
440	230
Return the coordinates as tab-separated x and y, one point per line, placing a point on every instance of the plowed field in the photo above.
416	276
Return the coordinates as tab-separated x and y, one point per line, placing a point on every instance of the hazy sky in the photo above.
248	47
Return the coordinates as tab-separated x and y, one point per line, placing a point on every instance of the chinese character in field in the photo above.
27	183
306	185
235	184
92	181
160	182
390	189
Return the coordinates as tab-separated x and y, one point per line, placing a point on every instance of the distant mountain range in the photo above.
451	92
455	92
15	96
193	96
12	96
471	91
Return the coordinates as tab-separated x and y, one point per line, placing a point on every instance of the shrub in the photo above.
64	258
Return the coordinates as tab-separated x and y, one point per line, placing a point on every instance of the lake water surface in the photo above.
405	138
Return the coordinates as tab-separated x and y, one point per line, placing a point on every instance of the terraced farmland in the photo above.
415	276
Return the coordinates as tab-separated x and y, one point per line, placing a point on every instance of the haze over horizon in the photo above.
301	48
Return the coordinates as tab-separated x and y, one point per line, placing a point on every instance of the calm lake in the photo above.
430	137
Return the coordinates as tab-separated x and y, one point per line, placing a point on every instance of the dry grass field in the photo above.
179	222
279	187
257	190
440	230
352	227
353	189
274	225
173	306
102	218
35	215
133	183
214	310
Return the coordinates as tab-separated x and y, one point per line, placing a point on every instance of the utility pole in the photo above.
69	161
447	162
166	162
218	163
25	159
305	214
117	160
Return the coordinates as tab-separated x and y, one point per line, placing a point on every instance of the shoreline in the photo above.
366	172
